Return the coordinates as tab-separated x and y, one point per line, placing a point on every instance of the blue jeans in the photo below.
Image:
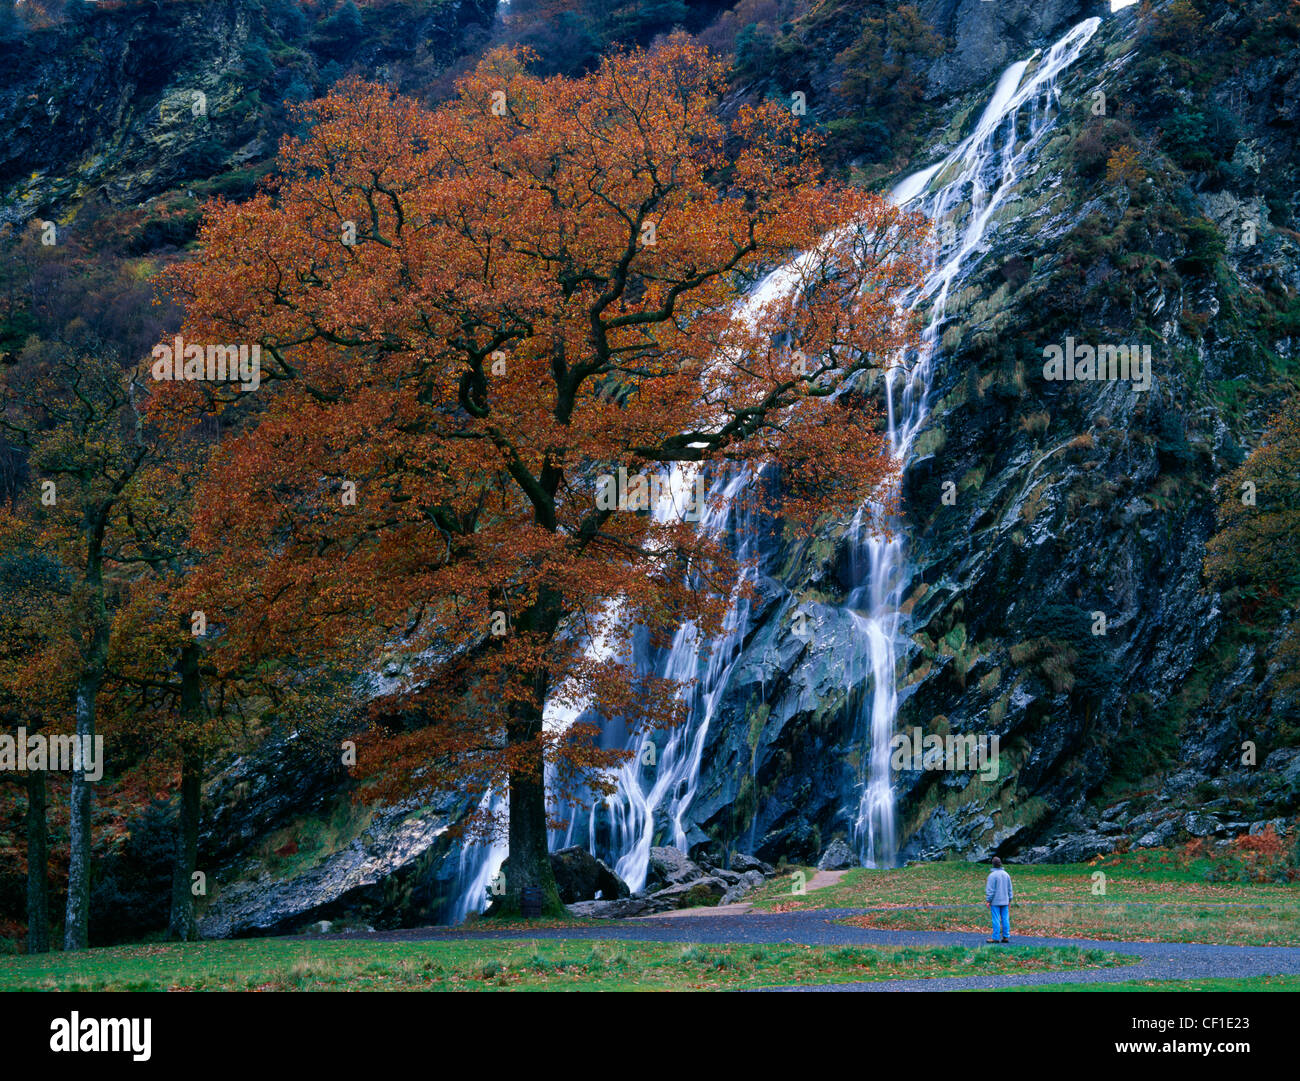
1002	920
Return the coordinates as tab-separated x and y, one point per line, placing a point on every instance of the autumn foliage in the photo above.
1252	556
466	316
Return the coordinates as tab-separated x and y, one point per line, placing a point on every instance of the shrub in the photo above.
131	897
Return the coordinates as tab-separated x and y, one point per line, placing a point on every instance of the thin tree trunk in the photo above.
38	866
76	924
182	926
94	620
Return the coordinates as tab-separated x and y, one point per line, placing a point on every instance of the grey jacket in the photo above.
998	891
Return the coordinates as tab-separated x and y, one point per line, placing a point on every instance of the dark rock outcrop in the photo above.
579	876
132	100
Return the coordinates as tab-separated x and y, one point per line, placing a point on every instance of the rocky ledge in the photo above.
672	882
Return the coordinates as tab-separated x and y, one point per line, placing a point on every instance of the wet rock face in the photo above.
135	100
255	794
400	871
987	37
383	878
1058	602
68	103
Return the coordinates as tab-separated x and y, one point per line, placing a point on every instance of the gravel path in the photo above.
816	927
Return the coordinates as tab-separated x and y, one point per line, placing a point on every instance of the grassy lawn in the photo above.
1246	983
485	965
1144	901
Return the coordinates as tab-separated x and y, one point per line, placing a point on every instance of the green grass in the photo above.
1144	901
489	965
1245	983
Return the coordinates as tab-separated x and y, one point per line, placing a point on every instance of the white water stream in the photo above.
961	194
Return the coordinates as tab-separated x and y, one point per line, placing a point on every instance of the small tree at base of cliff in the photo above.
1252	556
467	317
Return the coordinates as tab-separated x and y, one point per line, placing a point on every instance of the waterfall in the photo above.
669	785
961	192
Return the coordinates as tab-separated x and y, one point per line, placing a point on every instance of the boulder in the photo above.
1159	836
705	890
698	889
668	867
620	909
580	876
1075	848
743	863
749	881
837	857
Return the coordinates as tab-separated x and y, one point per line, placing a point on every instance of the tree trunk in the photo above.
529	863
93	619
38	866
182	927
76	924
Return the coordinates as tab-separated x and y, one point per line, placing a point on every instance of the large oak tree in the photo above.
466	316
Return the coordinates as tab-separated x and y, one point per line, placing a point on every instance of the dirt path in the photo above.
822	879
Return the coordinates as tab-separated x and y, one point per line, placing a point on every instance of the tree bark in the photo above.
94	619
529	863
38	866
76	923
182	926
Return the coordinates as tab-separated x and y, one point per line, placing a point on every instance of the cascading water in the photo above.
961	193
669	785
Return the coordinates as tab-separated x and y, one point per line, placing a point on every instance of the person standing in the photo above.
998	892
